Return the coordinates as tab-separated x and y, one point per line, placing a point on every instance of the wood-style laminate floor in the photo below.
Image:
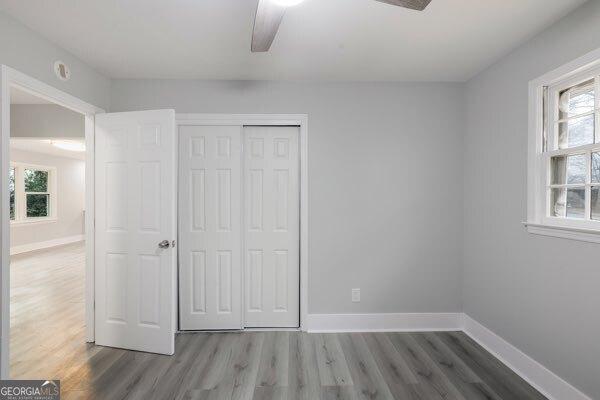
46	343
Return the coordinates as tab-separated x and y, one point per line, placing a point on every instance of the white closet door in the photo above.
135	226
271	227
209	227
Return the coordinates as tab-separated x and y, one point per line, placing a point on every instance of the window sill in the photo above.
583	235
33	222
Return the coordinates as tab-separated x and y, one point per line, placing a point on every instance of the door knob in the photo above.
165	244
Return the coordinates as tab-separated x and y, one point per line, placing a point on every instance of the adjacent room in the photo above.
47	235
300	199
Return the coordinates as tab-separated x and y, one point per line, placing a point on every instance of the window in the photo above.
32	195
564	152
11	190
573	147
37	196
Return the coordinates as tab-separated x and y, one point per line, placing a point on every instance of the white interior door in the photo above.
210	227
271	227
135	211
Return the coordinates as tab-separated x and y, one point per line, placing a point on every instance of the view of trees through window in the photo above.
36	181
37	197
11	189
29	192
575	171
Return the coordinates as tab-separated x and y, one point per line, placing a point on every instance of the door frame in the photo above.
300	120
13	78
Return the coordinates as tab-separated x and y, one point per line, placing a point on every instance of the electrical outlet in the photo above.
356	295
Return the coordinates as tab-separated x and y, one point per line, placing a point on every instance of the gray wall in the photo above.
30	53
541	294
45	120
70	193
385	171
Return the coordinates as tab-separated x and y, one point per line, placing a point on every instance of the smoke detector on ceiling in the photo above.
62	71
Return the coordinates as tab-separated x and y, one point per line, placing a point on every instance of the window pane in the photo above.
596	203
577	100
576	203
559	170
36	181
11	190
37	205
576	132
558	199
576	169
596	167
571	169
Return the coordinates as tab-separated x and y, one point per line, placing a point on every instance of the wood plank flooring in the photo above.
240	366
47	310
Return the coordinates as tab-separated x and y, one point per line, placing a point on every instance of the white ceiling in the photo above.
20	97
360	40
45	146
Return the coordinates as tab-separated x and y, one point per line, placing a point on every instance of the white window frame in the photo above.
542	108
21	195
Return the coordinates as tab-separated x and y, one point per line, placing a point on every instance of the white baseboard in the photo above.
545	381
398	322
44	245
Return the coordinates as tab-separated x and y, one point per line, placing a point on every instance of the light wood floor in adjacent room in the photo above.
47	310
47	341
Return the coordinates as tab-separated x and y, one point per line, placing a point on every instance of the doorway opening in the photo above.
47	236
45	122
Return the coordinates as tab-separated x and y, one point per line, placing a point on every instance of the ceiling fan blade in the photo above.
412	4
266	23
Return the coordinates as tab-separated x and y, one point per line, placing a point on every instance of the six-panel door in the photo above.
238	227
135	210
271	227
210	227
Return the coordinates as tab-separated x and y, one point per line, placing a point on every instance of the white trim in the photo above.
90	235
5	226
47	92
33	221
24	248
300	120
545	381
13	78
538	221
584	235
243	119
393	322
541	378
588	61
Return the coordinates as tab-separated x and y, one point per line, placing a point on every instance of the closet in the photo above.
239	227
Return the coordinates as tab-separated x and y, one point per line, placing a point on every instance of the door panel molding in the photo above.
210	227
135	213
271	233
240	120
